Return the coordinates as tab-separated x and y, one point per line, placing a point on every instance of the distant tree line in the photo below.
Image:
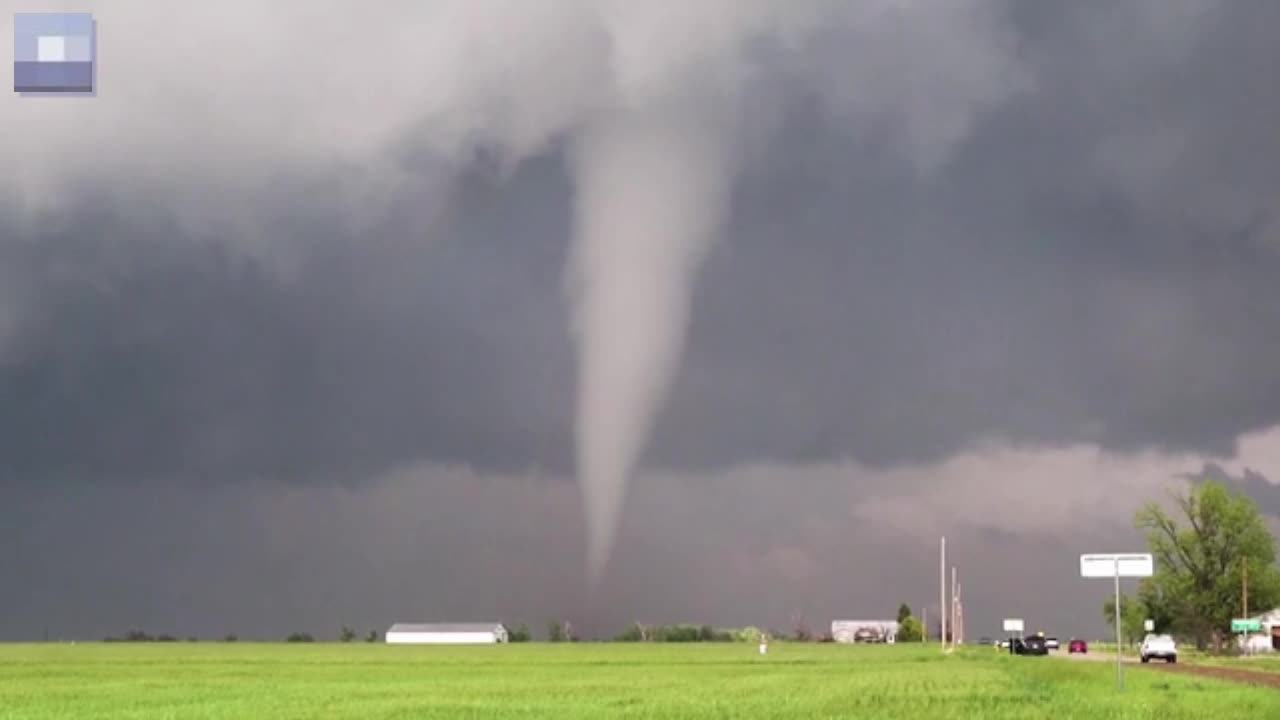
346	634
139	636
689	633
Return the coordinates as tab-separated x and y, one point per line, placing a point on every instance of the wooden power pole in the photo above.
1244	588
942	595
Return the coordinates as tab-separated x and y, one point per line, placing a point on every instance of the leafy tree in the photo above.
1200	551
910	629
230	637
634	633
555	632
372	637
520	634
904	612
299	638
800	629
346	635
1133	617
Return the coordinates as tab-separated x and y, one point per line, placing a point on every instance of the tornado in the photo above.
650	201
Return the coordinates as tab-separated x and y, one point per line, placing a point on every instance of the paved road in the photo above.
1095	657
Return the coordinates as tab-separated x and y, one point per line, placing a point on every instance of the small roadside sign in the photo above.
1246	625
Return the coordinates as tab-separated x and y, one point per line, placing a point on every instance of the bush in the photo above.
910	630
520	633
299	638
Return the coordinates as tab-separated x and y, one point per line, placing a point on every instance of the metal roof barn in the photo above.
446	634
875	631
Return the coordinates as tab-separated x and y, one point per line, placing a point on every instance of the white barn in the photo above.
446	634
1269	639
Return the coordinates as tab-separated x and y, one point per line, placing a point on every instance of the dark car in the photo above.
1034	645
1077	646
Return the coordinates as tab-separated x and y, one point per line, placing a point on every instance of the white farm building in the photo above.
446	634
864	631
1268	640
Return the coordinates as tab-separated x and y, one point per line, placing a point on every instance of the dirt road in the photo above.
1234	674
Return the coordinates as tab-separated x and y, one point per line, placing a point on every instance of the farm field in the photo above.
246	680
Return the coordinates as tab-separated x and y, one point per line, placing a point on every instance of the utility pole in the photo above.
955	626
1119	672
1244	588
924	623
942	595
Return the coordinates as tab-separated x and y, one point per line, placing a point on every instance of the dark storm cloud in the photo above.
1250	482
1095	263
151	356
445	543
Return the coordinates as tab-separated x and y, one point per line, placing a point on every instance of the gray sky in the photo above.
284	331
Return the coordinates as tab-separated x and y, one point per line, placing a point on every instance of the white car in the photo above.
1160	647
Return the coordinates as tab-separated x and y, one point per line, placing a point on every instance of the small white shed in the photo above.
446	634
1269	639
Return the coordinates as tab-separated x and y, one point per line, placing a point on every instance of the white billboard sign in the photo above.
1013	625
1116	564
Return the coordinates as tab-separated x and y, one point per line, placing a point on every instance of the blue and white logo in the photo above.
53	52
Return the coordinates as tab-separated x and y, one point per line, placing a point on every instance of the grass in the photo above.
246	680
1262	663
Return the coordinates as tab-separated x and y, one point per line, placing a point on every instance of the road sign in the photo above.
1116	564
1246	625
1013	625
1149	625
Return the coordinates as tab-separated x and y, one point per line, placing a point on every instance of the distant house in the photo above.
1269	639
864	631
446	634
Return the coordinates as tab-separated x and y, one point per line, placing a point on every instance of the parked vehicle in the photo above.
1077	646
1160	647
1052	643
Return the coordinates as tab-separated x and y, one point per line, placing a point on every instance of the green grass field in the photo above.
590	681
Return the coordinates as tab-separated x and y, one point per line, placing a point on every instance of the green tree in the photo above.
910	629
346	635
1201	549
519	634
1133	617
904	612
371	637
555	632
